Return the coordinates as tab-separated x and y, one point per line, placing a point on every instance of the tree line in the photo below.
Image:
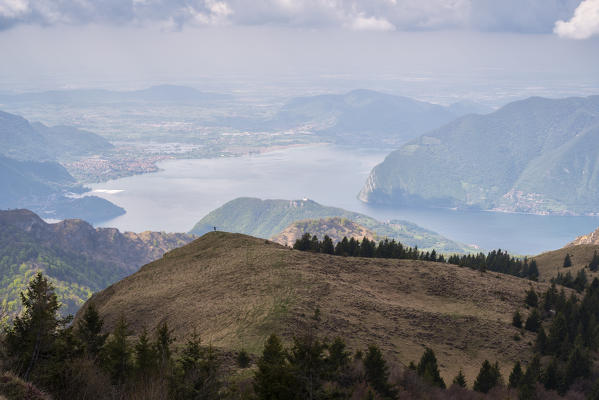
496	260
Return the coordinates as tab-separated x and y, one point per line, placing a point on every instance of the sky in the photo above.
90	43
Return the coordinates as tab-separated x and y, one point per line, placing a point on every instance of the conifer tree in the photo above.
327	246
377	371
460	379
33	333
243	359
516	375
533	271
428	369
594	264
118	352
533	322
145	355
273	379
162	346
567	261
532	300
488	377
89	331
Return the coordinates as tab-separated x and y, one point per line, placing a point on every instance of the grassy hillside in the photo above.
236	289
77	257
537	155
336	228
551	263
266	218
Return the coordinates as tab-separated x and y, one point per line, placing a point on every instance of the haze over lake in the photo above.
186	190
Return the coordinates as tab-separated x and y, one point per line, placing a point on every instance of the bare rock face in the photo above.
336	228
591	238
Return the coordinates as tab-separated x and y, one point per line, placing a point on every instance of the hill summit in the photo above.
235	290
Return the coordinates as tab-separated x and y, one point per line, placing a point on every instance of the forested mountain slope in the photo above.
79	259
536	155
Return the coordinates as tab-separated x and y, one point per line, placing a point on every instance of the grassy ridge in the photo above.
236	289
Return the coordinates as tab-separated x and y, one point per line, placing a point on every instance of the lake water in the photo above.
175	198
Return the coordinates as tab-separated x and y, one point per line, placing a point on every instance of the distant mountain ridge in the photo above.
79	258
536	155
361	117
267	218
23	140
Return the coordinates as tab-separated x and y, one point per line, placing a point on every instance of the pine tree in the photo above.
541	342
488	377
517	320
243	359
89	331
578	365
516	375
308	364
429	371
567	261
533	271
327	246
145	355
528	382
377	371
273	378
532	300
118	352
533	322
162	346
460	379
594	264
33	333
198	374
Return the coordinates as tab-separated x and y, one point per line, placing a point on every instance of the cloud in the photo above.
13	8
584	23
359	15
362	23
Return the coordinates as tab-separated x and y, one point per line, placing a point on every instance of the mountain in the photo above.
360	117
234	290
23	140
48	189
159	93
536	155
267	218
336	228
78	258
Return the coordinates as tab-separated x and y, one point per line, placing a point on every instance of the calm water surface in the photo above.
175	198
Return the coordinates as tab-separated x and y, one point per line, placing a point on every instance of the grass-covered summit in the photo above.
267	218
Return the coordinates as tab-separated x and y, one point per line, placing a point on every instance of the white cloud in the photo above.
584	23
13	8
362	23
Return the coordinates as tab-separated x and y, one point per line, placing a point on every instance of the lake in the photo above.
178	196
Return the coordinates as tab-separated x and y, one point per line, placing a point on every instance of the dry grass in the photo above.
235	290
551	262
